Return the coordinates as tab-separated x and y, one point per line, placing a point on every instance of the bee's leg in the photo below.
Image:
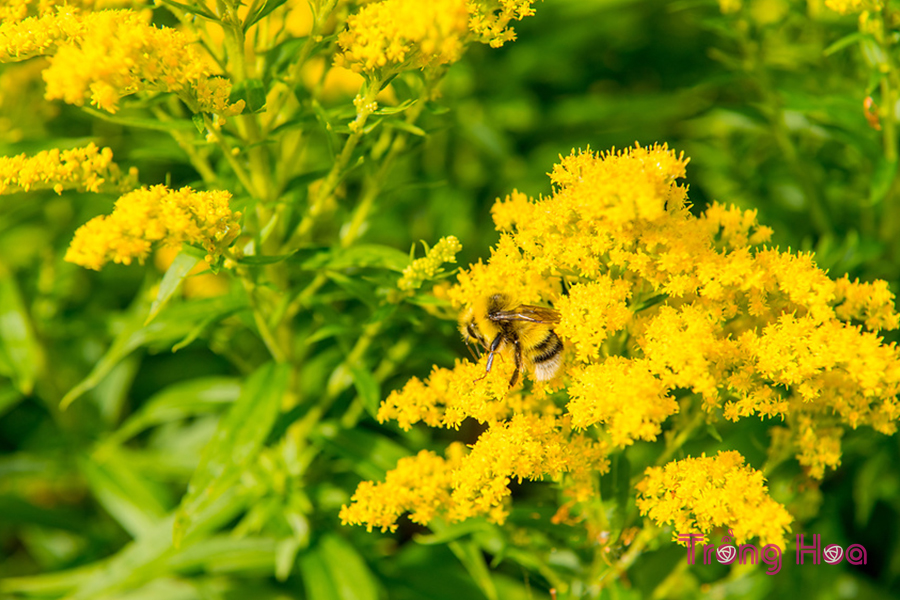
518	355
491	351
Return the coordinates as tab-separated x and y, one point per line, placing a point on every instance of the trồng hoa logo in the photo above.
727	552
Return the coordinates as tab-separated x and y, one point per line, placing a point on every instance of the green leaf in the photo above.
845	41
192	9
355	287
17	512
141	123
392	110
124	495
17	340
52	584
367	389
317	580
263	12
360	256
304	179
171	325
882	180
237	441
285	557
186	260
257	261
344	575
10	396
182	400
371	454
407	127
251	91
471	557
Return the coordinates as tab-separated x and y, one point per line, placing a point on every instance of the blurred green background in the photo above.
770	120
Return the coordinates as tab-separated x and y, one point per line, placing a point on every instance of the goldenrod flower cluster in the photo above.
656	303
105	55
85	169
854	6
697	495
528	446
489	19
392	35
156	214
427	267
16	10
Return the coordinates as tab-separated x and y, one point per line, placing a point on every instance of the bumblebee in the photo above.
499	324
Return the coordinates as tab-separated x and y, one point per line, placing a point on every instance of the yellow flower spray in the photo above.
661	312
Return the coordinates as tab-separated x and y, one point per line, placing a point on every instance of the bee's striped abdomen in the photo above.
547	356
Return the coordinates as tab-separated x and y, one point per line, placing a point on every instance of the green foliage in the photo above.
160	443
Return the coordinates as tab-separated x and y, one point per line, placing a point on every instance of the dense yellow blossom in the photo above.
400	33
419	484
16	10
528	446
696	495
662	311
395	34
854	6
427	267
150	215
85	169
489	19
622	394
105	55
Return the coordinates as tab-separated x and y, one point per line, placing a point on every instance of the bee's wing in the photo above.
527	312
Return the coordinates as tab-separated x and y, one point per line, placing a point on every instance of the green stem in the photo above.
198	161
227	149
365	106
261	324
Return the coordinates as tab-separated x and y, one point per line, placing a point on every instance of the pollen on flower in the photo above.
155	215
697	495
85	169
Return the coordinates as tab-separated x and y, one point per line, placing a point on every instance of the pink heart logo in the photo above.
833	554
726	554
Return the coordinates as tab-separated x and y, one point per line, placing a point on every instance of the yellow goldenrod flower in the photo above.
427	267
85	169
157	214
489	19
854	6
528	446
106	55
419	484
656	304
696	495
396	33
624	395
16	10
